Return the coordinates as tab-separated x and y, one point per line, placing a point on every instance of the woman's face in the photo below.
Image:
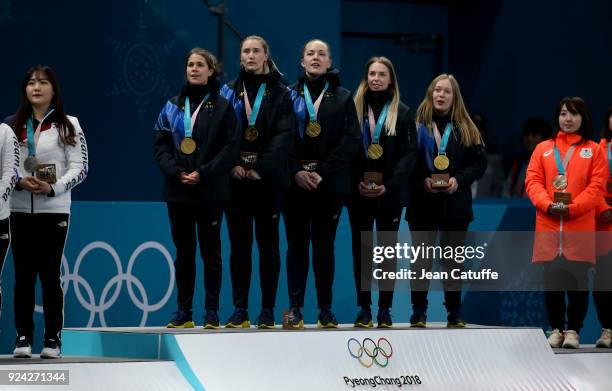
443	96
379	77
568	121
198	71
316	60
610	122
39	90
253	56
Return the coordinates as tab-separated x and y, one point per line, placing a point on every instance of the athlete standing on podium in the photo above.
602	290
451	158
259	175
380	179
194	147
54	161
565	182
327	139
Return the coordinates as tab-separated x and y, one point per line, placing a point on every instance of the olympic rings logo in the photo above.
369	352
115	283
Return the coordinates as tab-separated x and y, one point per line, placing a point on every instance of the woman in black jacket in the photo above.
194	149
380	179
260	173
326	141
451	158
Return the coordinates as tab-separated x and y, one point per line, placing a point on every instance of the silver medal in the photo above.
30	164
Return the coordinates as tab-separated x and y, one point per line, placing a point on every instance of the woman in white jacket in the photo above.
9	166
54	160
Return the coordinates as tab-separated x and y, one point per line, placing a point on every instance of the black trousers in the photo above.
186	221
362	215
602	290
563	277
252	203
5	240
38	244
425	232
311	216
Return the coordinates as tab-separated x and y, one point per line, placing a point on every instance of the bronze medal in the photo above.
441	162
313	129
251	134
375	151
560	182
188	146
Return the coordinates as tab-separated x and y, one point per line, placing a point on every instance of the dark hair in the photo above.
65	128
606	132
536	125
576	105
211	60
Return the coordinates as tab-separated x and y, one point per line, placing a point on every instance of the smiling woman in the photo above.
56	160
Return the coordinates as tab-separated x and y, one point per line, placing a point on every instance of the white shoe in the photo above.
555	338
23	347
51	349
605	341
571	339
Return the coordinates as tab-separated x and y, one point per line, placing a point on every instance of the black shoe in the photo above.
294	319
384	318
211	320
23	347
454	321
327	320
181	320
265	320
51	348
418	319
364	318
239	319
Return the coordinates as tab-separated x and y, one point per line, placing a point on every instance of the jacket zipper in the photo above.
561	236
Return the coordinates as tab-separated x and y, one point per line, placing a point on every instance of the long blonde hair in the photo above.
391	120
459	115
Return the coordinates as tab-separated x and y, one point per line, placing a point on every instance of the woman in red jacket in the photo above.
565	180
602	292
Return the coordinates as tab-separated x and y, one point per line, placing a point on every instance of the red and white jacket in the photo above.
71	163
572	236
604	230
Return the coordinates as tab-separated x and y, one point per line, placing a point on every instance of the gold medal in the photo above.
313	129
560	182
251	134
441	162
375	151
188	146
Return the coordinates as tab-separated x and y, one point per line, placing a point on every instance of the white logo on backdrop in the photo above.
104	303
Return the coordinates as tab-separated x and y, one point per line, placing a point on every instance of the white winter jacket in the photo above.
71	163
9	166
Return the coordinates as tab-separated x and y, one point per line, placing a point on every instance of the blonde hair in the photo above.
459	115
269	65
391	121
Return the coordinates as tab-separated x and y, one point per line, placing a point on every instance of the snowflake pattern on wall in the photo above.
140	71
